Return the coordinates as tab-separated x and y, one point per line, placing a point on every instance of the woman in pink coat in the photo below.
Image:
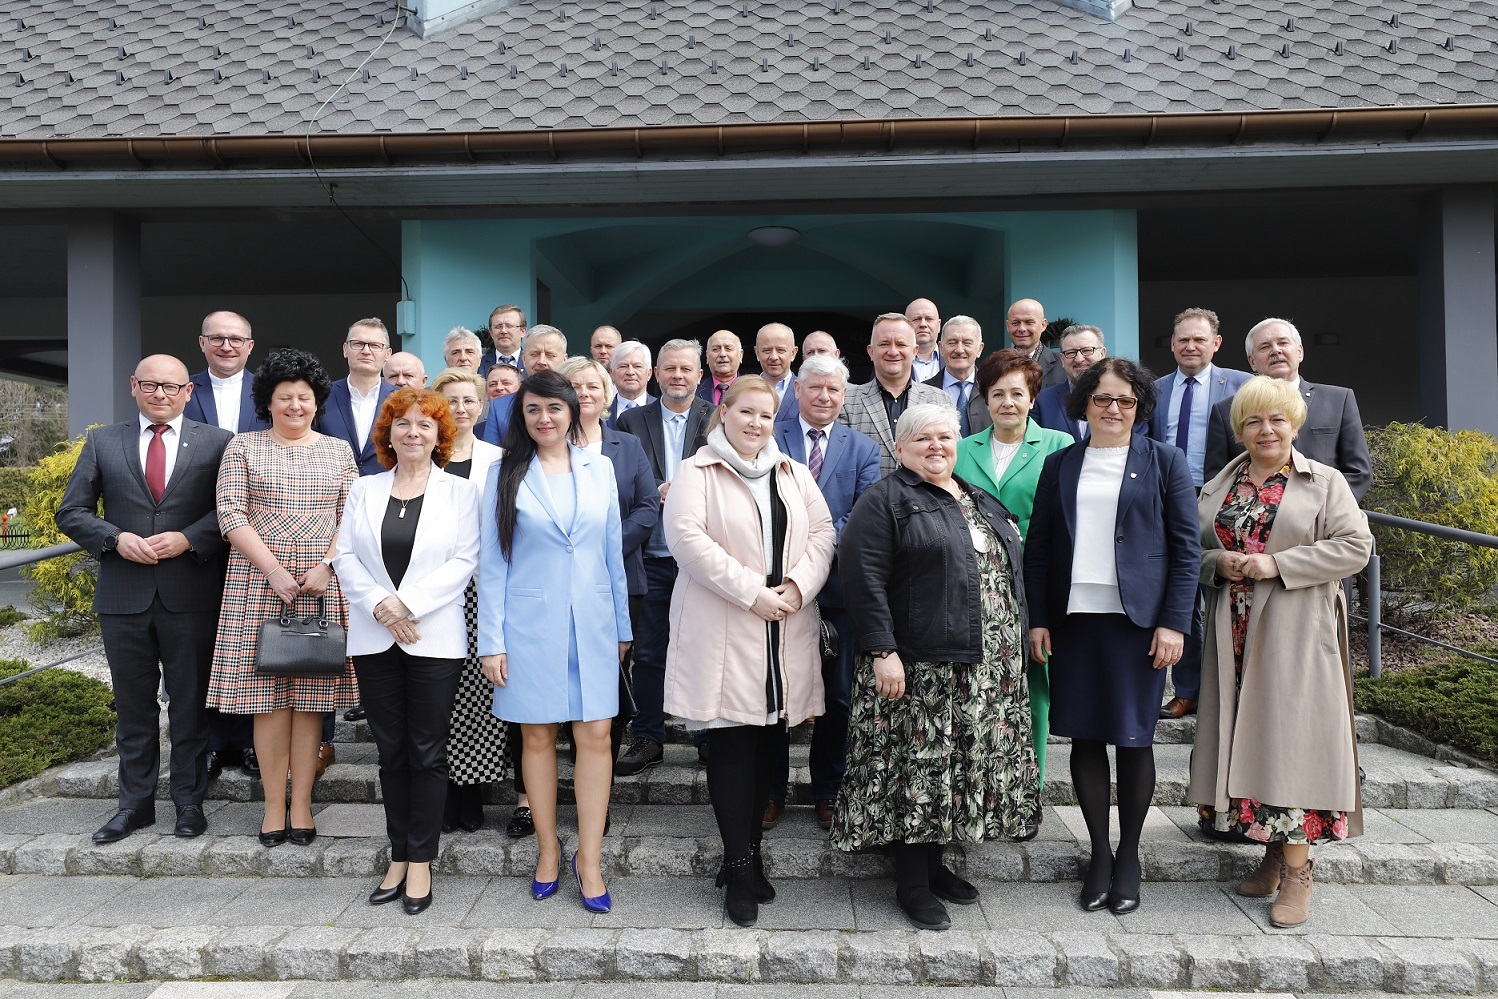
753	541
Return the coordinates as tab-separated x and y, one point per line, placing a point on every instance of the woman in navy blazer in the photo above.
1111	563
407	547
639	499
554	616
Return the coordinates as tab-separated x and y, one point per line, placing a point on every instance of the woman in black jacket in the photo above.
939	738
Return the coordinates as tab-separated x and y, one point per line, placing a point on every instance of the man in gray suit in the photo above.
1183	404
1333	431
875	407
961	345
161	578
1026	324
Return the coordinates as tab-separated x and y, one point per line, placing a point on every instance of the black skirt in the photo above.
1103	682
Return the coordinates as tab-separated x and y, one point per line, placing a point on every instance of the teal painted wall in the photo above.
1078	264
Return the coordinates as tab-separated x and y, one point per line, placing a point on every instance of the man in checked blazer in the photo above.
161	578
874	408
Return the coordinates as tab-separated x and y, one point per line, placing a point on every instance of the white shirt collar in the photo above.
1201	377
235	379
357	396
175	424
949	380
807	428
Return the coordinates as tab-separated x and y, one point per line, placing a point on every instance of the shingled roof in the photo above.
170	67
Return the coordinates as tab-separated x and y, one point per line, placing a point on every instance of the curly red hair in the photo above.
433	404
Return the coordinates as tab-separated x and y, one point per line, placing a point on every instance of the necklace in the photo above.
407	499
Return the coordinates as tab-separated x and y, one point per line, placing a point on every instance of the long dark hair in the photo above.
520	448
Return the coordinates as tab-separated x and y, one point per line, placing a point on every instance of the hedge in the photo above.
56	716
1451	700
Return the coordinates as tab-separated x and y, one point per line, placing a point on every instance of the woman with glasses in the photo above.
1116	506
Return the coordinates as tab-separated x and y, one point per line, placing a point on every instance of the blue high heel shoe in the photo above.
598	903
546	889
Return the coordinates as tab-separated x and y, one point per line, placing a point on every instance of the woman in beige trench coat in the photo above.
753	540
1276	749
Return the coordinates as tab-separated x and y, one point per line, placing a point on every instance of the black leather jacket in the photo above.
910	575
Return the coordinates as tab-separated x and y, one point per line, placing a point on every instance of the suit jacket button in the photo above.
1119	539
569	548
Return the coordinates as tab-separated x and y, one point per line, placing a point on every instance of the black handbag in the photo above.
828	641
311	646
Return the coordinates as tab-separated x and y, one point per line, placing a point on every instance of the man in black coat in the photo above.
161	578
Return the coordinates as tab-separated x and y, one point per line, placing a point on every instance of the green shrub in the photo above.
53	717
1451	700
15	483
1434	475
64	587
9	616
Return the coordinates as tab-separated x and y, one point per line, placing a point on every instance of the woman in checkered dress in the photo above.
280	495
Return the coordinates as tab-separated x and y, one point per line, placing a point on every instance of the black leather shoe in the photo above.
381	896
642	753
302	837
1121	906
416	906
354	714
1093	901
250	763
215	764
276	836
190	821
125	822
948	887
924	911
520	825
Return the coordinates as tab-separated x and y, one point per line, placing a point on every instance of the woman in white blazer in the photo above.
554	616
407	547
479	745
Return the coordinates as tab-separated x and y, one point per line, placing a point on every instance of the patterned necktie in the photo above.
814	458
1183	422
963	390
156	462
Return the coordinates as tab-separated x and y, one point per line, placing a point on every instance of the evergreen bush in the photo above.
1453	700
64	587
56	716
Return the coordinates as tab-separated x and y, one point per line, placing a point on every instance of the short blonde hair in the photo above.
742	385
1262	394
450	376
922	415
573	365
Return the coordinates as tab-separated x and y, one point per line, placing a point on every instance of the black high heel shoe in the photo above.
1093	901
415	906
276	836
302	837
381	896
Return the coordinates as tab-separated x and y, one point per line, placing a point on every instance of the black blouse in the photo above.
398	535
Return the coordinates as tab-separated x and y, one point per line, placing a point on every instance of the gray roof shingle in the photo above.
814	57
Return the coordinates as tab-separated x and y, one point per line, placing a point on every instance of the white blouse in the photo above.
1094	565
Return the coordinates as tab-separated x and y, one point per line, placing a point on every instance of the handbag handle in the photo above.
321	616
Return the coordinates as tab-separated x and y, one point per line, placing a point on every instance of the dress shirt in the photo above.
363	405
894	405
226	397
955	388
1201	411
675	425
719	388
807	428
171	441
783	386
626	404
925	370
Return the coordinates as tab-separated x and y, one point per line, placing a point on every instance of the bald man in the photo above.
602	344
405	370
775	349
161	579
926	321
1026	324
819	342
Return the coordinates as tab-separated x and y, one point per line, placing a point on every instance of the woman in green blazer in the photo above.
1005	460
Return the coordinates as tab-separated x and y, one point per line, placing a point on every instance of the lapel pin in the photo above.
1133	475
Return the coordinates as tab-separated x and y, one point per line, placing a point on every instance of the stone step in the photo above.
51	836
1393	778
1199	936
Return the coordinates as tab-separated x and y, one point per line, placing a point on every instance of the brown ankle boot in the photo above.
1293	906
1266	880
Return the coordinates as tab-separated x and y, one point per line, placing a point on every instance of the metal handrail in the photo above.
14	560
1376	626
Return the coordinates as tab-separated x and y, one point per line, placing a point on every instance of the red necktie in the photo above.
156	462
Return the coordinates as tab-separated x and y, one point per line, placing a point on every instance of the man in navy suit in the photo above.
673	428
844	463
222	395
1183	404
961	345
775	349
1081	348
725	352
545	348
355	401
507	331
1333	431
629	367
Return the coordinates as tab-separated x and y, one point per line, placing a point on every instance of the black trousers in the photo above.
145	651
409	703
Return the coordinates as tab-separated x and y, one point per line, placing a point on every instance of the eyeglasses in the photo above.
1085	352
151	388
359	346
234	341
512	327
1125	402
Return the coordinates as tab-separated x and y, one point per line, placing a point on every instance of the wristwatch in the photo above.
111	541
326	561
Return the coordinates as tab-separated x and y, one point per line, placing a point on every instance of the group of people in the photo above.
931	565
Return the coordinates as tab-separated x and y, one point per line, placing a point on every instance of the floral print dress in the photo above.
1242	525
952	760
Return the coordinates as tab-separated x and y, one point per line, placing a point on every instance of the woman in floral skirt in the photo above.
1276	748
939	744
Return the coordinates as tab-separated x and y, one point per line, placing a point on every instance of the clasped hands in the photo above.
396	616
149	551
776	603
1235	566
313	582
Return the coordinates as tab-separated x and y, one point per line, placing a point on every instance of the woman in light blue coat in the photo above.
554	617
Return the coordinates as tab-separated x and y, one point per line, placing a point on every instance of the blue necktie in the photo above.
963	388
1183	421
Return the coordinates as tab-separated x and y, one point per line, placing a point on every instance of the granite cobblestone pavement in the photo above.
1410	908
